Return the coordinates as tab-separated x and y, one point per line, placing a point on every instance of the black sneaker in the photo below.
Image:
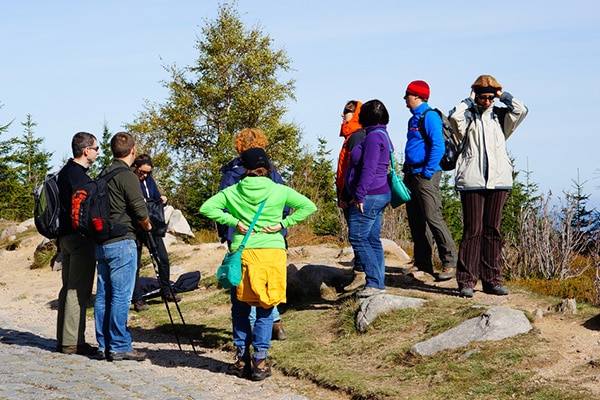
99	355
132	355
242	368
261	369
499	290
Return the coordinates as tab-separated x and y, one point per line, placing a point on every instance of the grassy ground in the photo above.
323	346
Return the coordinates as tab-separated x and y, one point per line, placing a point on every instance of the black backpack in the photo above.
47	206
156	213
90	211
453	149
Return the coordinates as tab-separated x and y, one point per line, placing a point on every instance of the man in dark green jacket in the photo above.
117	257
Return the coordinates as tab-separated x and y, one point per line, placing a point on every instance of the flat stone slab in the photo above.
372	307
496	323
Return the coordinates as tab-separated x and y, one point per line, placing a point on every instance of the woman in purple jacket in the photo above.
366	180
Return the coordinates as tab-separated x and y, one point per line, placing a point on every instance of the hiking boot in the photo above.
446	274
466	292
358	281
499	290
81	349
140	306
278	332
174	297
428	270
242	368
132	355
261	369
369	291
99	355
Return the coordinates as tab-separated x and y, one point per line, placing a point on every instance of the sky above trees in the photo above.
76	65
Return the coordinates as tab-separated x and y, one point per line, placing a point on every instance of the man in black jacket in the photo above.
79	263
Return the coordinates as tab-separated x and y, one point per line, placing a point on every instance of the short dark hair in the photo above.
142	159
373	112
121	144
80	141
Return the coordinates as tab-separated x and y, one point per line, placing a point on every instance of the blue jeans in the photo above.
364	231
276	316
358	265
245	334
117	265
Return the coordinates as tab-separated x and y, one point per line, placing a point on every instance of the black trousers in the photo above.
164	269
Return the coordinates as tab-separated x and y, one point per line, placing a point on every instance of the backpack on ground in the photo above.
452	148
46	209
90	210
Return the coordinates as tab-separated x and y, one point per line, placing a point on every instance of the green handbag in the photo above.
400	193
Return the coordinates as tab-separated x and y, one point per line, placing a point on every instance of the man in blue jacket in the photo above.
422	174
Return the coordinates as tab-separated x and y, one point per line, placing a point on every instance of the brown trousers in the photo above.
480	252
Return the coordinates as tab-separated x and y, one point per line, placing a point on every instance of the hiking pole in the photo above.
163	293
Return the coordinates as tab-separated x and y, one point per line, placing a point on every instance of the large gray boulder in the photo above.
177	223
393	248
374	306
496	323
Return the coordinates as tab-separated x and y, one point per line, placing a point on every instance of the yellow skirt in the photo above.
264	277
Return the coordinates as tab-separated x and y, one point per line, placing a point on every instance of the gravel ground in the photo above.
31	369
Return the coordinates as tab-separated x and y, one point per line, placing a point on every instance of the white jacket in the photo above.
484	162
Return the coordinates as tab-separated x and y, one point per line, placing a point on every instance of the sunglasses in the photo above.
94	148
346	111
144	172
488	98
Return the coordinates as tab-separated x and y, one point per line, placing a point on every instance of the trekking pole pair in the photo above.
150	242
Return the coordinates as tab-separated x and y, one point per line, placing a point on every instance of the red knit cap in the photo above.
418	88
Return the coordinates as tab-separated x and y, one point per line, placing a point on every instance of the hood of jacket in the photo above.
233	167
349	127
254	189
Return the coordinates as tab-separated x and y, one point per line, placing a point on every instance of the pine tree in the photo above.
27	165
234	83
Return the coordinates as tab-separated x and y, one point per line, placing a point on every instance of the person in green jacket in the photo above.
264	259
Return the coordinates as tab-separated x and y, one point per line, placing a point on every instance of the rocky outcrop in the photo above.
496	323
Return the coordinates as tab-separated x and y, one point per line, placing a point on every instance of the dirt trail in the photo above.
569	343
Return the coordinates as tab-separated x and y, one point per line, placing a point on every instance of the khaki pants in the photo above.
78	270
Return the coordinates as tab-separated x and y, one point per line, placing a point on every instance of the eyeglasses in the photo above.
94	148
486	98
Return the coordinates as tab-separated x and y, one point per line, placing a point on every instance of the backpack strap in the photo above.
107	177
389	145
422	126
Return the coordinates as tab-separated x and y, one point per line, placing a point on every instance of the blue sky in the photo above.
73	65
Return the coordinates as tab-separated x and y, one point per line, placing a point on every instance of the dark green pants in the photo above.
426	221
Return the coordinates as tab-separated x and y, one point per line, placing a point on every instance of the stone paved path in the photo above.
31	369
